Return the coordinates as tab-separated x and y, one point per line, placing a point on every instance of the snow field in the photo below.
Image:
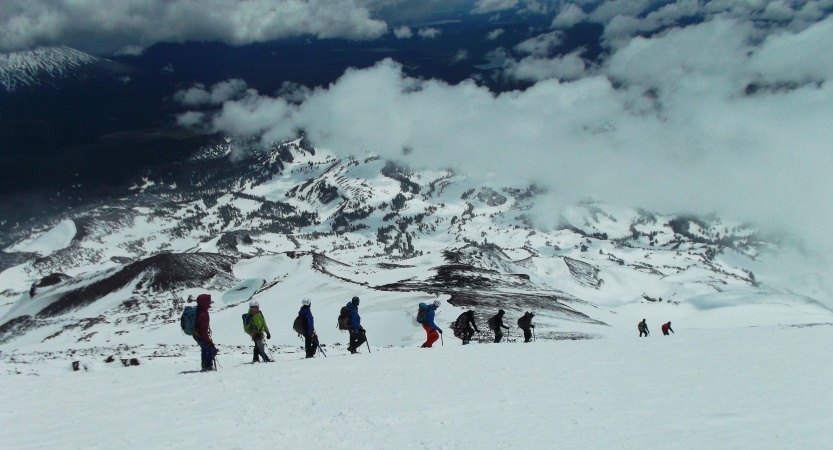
737	388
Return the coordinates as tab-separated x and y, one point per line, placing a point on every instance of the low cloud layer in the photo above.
28	23
715	117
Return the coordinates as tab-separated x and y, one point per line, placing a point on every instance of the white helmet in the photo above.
253	304
436	303
306	301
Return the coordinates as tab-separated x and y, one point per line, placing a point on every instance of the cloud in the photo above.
461	55
190	119
219	93
540	45
531	68
28	23
130	50
494	34
429	33
721	116
569	15
403	32
489	6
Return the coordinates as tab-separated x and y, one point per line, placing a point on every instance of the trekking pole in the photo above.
442	344
318	346
366	342
533	334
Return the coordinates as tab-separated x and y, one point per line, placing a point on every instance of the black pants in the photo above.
357	338
527	334
466	335
309	346
260	349
641	332
498	335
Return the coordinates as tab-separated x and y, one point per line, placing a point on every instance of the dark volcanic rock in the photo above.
489	290
161	272
8	260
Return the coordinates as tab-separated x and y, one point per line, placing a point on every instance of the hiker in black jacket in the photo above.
525	323
496	323
464	327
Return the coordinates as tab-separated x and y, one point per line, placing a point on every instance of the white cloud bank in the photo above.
669	123
28	23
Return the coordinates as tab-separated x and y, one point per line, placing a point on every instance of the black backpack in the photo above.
298	325
493	323
422	313
344	318
461	322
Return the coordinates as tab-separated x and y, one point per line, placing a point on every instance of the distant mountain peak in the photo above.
42	66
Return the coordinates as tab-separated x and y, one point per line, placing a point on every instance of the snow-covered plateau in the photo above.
746	369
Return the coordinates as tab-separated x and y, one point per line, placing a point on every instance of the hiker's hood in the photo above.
204	301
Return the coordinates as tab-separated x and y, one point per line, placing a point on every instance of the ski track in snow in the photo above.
718	389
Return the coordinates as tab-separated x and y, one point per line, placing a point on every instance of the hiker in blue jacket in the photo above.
431	328
310	338
357	337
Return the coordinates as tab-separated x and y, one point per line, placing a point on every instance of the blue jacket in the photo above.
355	320
429	318
309	324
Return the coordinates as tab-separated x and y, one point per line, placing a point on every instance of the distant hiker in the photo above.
525	323
666	327
308	328
464	327
496	323
33	290
643	328
254	324
432	331
202	332
357	333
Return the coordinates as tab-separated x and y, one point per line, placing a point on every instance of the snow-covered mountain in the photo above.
299	221
45	66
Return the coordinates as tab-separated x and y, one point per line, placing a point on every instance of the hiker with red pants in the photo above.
666	327
202	332
432	331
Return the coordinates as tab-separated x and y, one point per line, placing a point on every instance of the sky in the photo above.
697	107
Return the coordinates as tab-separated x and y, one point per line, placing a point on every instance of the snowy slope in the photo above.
717	389
300	222
44	65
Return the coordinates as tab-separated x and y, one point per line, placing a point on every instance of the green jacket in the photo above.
258	324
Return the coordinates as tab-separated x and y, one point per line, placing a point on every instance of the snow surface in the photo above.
57	238
32	67
761	388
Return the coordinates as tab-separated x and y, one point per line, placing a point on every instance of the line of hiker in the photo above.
643	329
465	327
195	321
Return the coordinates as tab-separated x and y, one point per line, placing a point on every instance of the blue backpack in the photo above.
247	322
188	320
422	313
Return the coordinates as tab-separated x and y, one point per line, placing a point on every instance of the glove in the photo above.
532	326
440	331
268	335
362	331
313	335
214	350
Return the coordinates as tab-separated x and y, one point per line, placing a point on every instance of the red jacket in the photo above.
203	320
665	327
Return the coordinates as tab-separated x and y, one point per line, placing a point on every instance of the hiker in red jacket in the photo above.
202	333
666	328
